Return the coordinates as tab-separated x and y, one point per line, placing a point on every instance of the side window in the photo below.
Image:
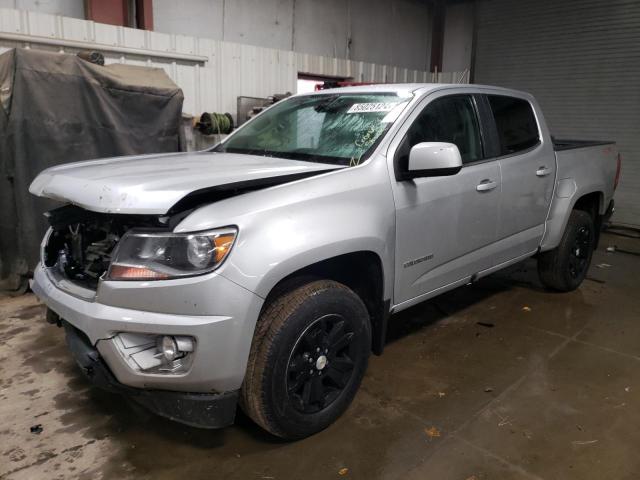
448	119
515	122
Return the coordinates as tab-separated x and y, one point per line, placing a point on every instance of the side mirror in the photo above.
434	159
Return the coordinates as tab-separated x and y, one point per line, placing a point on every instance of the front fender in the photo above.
289	227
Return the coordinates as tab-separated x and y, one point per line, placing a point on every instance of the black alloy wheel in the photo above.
309	353
320	365
580	252
565	267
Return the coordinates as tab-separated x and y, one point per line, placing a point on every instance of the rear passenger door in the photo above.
528	170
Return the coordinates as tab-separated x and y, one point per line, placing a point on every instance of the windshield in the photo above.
327	128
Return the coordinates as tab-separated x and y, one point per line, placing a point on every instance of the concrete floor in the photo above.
498	380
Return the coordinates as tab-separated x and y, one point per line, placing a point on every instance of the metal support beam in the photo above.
437	35
19	37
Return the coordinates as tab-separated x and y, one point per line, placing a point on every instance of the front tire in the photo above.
565	267
308	356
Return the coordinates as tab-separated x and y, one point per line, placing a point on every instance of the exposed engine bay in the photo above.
82	242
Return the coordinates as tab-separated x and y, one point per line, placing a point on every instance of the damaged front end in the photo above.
137	339
80	244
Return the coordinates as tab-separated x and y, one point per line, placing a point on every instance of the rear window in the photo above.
516	123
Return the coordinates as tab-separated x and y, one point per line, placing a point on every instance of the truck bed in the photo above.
582	167
564	144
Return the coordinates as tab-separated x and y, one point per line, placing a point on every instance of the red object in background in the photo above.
330	84
144	14
116	12
618	168
113	12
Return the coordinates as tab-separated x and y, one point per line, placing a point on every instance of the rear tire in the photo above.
309	354
565	267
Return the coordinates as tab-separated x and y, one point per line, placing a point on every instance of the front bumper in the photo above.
223	341
203	410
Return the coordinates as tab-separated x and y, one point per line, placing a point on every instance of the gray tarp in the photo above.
57	108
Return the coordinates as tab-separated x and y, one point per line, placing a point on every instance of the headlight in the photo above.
160	256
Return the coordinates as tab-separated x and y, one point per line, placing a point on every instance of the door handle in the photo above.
543	171
486	185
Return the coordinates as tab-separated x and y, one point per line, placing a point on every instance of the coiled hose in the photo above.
220	123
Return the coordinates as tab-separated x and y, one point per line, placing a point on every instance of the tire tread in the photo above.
274	315
552	264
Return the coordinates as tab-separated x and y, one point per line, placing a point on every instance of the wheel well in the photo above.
361	272
589	203
592	203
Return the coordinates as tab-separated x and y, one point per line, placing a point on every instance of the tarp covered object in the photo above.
57	108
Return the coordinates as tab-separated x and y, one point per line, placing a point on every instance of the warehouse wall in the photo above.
268	23
211	73
175	18
393	32
458	37
68	8
322	28
580	58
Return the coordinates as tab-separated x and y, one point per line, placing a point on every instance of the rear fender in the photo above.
566	196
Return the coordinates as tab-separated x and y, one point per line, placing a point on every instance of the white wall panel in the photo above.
9	20
69	8
74	29
105	34
40	24
134	38
160	41
185	44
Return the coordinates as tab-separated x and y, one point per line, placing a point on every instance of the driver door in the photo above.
445	226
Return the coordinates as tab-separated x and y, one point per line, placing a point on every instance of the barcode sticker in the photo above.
372	107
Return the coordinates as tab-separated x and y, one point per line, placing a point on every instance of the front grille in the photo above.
82	243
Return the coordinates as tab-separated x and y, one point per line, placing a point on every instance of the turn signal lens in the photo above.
122	272
223	244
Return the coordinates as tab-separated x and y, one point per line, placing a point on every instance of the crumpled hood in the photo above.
152	184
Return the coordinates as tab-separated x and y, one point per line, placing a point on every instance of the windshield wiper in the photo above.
303	157
324	106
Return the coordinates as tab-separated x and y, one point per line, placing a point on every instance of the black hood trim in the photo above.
221	192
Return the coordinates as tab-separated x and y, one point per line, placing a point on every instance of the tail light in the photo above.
618	167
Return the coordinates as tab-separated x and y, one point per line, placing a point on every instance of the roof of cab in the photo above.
382	87
415	88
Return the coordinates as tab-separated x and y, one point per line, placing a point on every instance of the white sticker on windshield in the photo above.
371	107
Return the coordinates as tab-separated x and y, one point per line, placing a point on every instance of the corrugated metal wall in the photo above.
211	73
581	59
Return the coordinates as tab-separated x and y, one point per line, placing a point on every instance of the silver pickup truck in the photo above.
264	271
